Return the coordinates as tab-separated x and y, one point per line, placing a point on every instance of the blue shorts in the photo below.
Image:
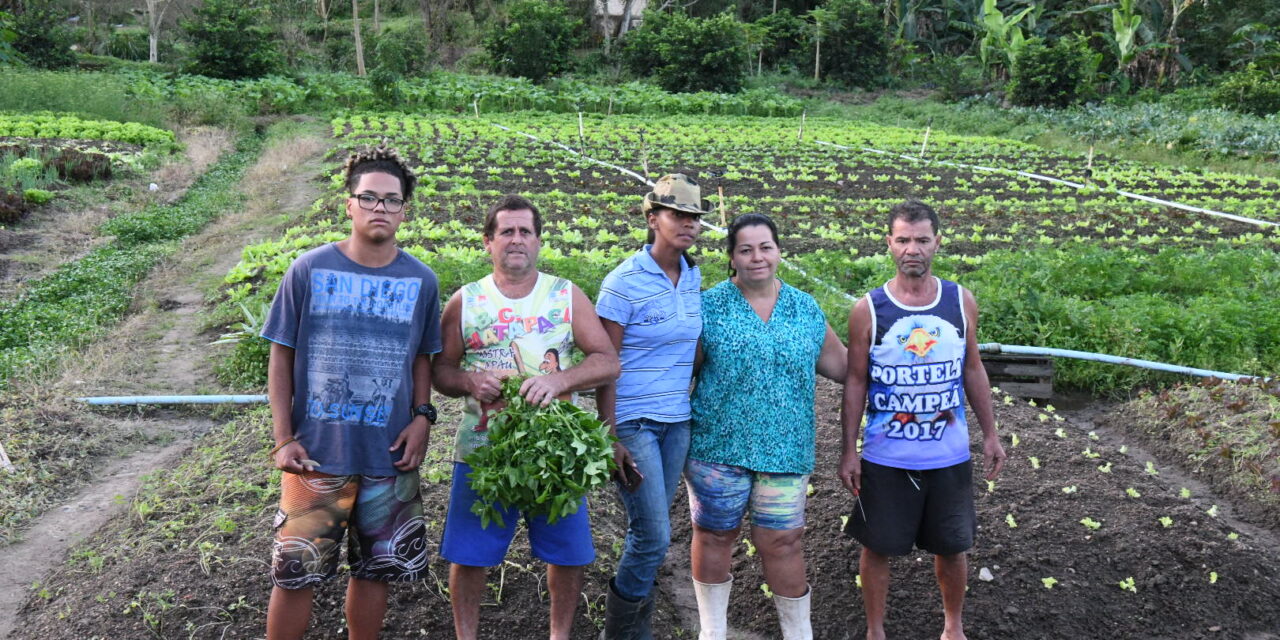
565	543
719	495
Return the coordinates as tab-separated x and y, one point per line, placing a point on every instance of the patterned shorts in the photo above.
381	517
720	495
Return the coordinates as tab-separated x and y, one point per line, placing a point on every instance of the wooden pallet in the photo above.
1022	376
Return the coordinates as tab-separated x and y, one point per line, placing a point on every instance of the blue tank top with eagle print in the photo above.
915	390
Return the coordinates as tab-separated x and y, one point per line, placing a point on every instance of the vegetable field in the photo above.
1082	268
1154	518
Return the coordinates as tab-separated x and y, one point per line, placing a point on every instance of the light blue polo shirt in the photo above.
661	323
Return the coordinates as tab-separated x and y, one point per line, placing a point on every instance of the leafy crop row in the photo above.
444	91
52	125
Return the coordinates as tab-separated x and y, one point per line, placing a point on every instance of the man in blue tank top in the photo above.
913	359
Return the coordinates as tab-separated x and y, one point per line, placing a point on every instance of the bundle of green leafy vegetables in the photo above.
541	460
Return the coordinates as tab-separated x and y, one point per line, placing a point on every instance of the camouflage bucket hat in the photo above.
676	191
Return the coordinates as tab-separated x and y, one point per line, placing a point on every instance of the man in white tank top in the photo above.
913	359
513	322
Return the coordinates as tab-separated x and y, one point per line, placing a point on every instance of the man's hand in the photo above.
414	439
484	386
850	472
293	458
541	390
622	457
994	455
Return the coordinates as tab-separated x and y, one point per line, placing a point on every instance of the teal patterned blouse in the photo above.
753	406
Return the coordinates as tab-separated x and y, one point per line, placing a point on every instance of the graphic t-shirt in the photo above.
915	391
529	336
356	331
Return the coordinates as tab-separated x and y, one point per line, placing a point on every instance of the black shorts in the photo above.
898	508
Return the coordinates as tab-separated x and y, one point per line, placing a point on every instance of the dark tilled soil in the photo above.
1171	567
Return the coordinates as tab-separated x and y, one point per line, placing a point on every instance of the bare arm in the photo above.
417	434
607	394
446	368
855	396
977	388
598	368
607	405
280	396
833	361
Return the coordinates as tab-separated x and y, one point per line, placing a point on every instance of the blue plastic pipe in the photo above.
994	347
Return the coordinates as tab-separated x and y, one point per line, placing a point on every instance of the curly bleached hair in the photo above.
379	159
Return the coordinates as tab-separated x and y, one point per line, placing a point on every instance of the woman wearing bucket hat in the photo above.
752	442
651	307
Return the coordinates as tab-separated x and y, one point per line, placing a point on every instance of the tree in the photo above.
155	17
43	39
535	40
230	39
355	25
852	34
688	54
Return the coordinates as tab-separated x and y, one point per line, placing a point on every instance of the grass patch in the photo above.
1187	137
84	298
95	95
52	446
1228	434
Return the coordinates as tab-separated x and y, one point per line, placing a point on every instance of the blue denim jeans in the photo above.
659	450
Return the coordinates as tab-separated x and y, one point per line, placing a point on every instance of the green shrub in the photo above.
536	40
402	50
230	39
685	54
1053	76
854	51
784	33
37	196
129	43
956	77
97	95
1253	90
246	366
43	39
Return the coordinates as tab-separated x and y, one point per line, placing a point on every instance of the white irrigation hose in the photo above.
1068	183
993	347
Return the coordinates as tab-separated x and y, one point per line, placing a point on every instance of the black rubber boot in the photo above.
626	620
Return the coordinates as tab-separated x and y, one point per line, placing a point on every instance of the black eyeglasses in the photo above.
369	202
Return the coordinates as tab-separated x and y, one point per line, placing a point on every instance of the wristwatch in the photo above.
428	410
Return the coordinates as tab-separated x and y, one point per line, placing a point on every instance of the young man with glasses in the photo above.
352	327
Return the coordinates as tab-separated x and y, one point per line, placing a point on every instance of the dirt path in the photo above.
161	348
61	232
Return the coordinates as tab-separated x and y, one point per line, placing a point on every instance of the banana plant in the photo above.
1002	38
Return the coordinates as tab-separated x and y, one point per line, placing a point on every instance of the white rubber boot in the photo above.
793	616
713	609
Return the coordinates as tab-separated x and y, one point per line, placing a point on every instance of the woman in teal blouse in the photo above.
752	441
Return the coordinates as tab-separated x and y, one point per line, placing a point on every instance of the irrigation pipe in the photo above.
988	347
1068	183
994	347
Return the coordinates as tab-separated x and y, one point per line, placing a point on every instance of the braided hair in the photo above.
379	159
